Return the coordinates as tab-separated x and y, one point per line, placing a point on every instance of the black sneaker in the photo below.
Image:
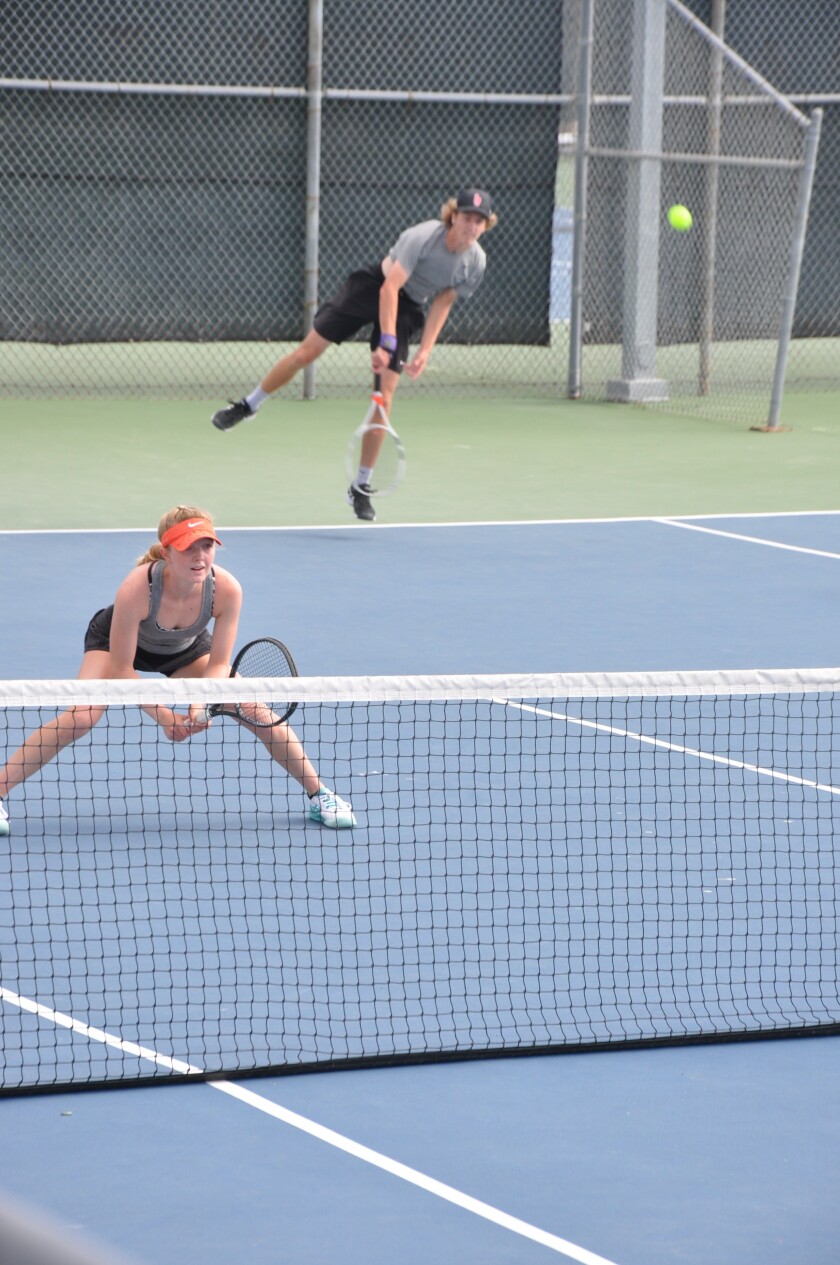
228	417
358	495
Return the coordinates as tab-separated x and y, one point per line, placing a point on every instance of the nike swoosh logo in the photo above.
197	524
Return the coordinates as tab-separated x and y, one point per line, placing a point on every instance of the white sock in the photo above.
256	398
364	476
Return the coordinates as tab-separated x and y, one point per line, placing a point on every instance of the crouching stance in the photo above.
159	623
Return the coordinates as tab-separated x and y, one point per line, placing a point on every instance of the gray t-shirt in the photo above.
431	267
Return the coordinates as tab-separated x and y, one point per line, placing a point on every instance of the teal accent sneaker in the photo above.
4	819
328	809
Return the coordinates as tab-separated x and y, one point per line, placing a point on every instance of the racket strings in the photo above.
265	657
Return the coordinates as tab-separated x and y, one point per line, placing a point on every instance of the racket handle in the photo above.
207	713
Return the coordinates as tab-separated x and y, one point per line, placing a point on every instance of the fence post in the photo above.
806	185
642	212
584	92
710	215
314	82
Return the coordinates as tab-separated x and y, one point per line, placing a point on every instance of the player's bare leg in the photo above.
374	438
304	354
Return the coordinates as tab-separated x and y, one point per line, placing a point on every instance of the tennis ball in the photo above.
679	217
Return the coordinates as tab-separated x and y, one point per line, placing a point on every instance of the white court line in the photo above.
753	540
430	1184
670	746
675	520
319	1131
335	527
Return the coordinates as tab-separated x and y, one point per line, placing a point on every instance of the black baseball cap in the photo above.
477	200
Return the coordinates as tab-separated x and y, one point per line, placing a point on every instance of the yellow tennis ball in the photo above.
679	217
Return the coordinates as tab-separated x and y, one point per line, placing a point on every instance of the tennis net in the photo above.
539	863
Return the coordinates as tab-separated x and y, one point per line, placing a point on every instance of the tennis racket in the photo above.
390	461
264	657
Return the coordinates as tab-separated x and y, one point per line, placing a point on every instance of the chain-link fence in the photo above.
173	179
693	321
794	44
179	180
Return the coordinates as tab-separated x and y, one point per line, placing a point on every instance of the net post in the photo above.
806	185
314	83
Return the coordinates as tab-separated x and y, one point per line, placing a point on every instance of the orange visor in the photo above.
181	535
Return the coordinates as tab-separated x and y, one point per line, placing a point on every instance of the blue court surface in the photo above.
722	1152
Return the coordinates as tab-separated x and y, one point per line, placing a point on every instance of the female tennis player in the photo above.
412	289
158	623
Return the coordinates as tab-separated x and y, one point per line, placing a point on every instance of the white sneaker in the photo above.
4	819
329	809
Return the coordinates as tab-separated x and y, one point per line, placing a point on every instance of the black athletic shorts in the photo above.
98	637
357	304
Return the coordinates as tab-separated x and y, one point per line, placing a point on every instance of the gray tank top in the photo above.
156	640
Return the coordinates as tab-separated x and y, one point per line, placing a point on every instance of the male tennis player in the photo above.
158	623
412	289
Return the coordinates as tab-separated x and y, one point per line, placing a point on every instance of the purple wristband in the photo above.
388	341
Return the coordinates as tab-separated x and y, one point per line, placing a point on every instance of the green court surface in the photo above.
96	463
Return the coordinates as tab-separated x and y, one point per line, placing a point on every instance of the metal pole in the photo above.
638	382
314	81
750	73
707	323
806	185
584	93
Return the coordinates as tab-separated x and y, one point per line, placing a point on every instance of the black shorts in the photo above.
98	637
357	304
